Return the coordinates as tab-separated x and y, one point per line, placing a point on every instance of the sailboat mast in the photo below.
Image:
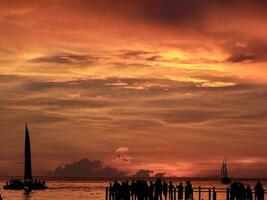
222	173
27	156
226	175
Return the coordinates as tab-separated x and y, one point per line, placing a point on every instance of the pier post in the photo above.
192	194
209	194
199	193
106	193
214	194
174	193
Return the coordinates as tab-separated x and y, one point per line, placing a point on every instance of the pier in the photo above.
197	193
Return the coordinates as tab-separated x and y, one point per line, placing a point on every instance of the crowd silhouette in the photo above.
238	191
141	190
161	190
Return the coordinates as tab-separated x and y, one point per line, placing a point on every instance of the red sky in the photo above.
180	84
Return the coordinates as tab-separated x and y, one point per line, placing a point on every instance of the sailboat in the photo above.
28	183
224	175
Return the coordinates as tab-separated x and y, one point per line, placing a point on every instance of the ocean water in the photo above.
95	189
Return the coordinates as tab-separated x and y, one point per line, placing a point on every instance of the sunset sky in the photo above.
167	85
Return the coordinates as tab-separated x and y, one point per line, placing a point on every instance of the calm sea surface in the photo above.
89	190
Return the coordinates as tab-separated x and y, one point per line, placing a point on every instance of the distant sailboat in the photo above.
28	183
224	175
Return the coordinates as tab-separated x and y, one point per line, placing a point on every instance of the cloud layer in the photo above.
156	84
87	168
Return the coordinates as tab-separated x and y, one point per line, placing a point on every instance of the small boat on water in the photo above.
28	183
224	175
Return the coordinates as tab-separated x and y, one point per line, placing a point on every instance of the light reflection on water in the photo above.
90	190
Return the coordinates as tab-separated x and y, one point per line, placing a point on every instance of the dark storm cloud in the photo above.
65	59
143	173
241	58
138	54
154	58
134	54
165	11
87	168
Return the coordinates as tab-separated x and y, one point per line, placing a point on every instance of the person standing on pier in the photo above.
233	190
249	195
180	189
146	191
116	190
242	191
259	191
111	193
188	191
171	188
165	190
158	189
133	190
151	191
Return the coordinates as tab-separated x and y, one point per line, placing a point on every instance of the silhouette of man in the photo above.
249	195
233	190
125	190
158	189
242	191
151	190
111	195
171	188
165	189
180	189
188	191
138	189
116	190
133	190
145	186
259	191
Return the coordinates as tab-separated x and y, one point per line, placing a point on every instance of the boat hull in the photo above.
19	185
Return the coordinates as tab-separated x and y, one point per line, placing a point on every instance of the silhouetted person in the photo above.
111	194
249	195
116	190
125	191
180	189
158	189
171	188
233	190
151	191
259	191
133	190
165	189
188	191
138	189
242	191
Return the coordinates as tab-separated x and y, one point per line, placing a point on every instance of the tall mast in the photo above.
225	168
27	156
